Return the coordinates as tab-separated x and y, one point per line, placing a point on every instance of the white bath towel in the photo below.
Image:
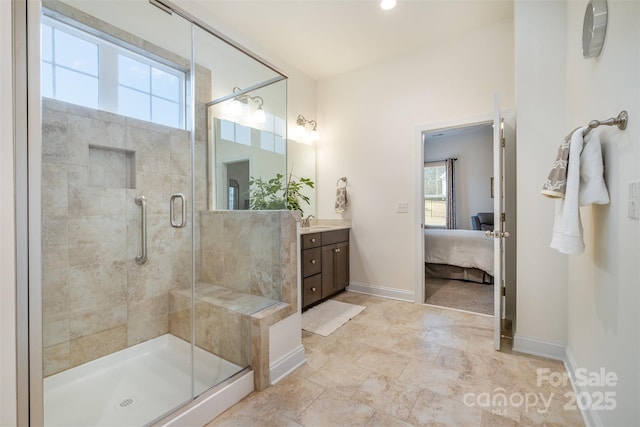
592	187
585	185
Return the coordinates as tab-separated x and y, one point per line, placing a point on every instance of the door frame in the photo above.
509	118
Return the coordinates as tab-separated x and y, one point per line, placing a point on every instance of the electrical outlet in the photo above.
403	207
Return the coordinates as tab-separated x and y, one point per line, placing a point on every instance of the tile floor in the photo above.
403	364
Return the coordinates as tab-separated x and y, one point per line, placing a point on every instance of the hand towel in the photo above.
341	196
556	184
585	185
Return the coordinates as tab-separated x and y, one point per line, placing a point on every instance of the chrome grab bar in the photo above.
183	221
142	202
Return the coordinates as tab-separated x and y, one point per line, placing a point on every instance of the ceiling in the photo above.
324	38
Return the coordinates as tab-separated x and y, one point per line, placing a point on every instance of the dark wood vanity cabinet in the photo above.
325	265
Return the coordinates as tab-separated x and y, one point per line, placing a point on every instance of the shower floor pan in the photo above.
132	387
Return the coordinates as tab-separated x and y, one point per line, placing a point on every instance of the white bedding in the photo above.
464	248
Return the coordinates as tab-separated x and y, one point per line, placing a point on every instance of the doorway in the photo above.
238	185
458	167
473	197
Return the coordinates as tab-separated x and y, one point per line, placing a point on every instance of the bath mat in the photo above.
326	318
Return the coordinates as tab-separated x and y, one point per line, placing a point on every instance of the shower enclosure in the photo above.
128	89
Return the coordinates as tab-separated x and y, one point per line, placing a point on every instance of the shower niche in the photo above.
111	168
128	112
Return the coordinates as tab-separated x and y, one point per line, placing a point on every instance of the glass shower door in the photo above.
117	216
240	134
144	305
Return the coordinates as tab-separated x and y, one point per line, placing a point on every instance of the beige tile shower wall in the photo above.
241	251
96	299
233	316
218	329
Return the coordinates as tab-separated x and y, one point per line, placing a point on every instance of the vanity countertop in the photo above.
321	225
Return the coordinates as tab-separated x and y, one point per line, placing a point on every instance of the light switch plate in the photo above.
633	203
403	207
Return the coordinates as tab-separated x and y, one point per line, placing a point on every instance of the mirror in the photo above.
249	148
301	163
248	131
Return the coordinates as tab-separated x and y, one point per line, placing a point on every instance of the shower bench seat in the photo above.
231	324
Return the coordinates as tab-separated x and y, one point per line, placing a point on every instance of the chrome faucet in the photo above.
305	221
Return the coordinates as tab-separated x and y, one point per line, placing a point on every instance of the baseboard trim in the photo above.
537	347
381	291
287	364
591	418
551	350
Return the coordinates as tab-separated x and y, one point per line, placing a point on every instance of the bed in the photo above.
458	254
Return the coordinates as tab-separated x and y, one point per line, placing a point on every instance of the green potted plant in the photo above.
278	194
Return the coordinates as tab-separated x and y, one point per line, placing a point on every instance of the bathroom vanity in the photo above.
325	262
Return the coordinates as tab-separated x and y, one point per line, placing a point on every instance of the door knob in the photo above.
497	234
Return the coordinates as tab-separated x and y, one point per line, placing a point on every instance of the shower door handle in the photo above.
172	211
142	202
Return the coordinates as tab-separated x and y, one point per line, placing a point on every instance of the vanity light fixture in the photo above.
388	4
239	102
301	131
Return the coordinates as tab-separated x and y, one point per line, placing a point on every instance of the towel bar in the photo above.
620	121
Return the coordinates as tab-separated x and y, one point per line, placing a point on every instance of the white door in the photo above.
498	233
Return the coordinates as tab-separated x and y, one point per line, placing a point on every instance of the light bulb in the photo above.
315	136
387	4
300	132
235	108
259	116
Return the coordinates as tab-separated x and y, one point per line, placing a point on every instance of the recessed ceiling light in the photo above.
388	4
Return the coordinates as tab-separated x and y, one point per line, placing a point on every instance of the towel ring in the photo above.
344	178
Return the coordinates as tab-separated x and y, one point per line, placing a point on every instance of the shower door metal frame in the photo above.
28	161
170	7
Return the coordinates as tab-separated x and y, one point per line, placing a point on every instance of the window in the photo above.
435	194
235	132
82	69
69	67
271	133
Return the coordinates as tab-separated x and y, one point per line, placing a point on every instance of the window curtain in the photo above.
451	193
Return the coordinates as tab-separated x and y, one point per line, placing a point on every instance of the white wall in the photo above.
369	119
603	296
590	300
474	169
541	108
7	228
